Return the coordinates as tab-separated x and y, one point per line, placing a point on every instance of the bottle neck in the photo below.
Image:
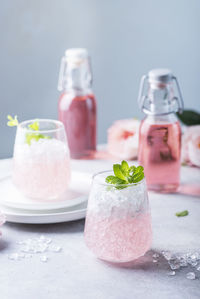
74	93
161	118
161	100
75	77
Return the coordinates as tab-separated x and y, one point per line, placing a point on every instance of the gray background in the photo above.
125	39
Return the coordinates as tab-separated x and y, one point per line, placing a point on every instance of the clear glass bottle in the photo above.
160	131
77	104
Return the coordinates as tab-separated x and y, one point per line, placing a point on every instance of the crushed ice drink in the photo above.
118	222
41	168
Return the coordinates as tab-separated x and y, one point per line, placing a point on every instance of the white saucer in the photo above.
61	215
10	197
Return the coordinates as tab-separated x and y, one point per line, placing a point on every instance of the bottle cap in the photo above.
160	76
76	55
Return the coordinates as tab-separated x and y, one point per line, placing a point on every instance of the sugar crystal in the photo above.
44	258
55	248
191	275
155	261
172	273
14	256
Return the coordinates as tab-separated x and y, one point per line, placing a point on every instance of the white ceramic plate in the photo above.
62	215
12	198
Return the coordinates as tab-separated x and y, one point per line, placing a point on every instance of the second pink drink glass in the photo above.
41	161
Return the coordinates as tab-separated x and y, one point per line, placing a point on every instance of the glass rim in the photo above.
114	185
30	121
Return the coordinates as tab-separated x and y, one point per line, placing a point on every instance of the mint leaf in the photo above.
125	168
32	136
182	214
118	172
36	137
138	178
111	179
139	169
12	122
137	174
132	169
34	126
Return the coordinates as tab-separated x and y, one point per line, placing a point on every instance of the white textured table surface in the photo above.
75	273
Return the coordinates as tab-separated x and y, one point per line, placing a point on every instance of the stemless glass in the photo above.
118	221
41	168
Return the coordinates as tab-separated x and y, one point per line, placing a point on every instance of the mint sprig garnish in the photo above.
111	179
125	175
182	214
34	126
13	122
35	136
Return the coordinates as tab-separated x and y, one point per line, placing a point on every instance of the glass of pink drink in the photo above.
118	222
41	167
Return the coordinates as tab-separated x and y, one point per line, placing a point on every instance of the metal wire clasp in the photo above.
142	98
180	99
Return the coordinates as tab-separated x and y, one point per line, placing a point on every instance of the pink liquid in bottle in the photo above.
78	114
159	154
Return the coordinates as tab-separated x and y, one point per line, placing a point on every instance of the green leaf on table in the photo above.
189	117
182	214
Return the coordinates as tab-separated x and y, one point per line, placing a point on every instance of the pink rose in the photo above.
123	138
191	145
